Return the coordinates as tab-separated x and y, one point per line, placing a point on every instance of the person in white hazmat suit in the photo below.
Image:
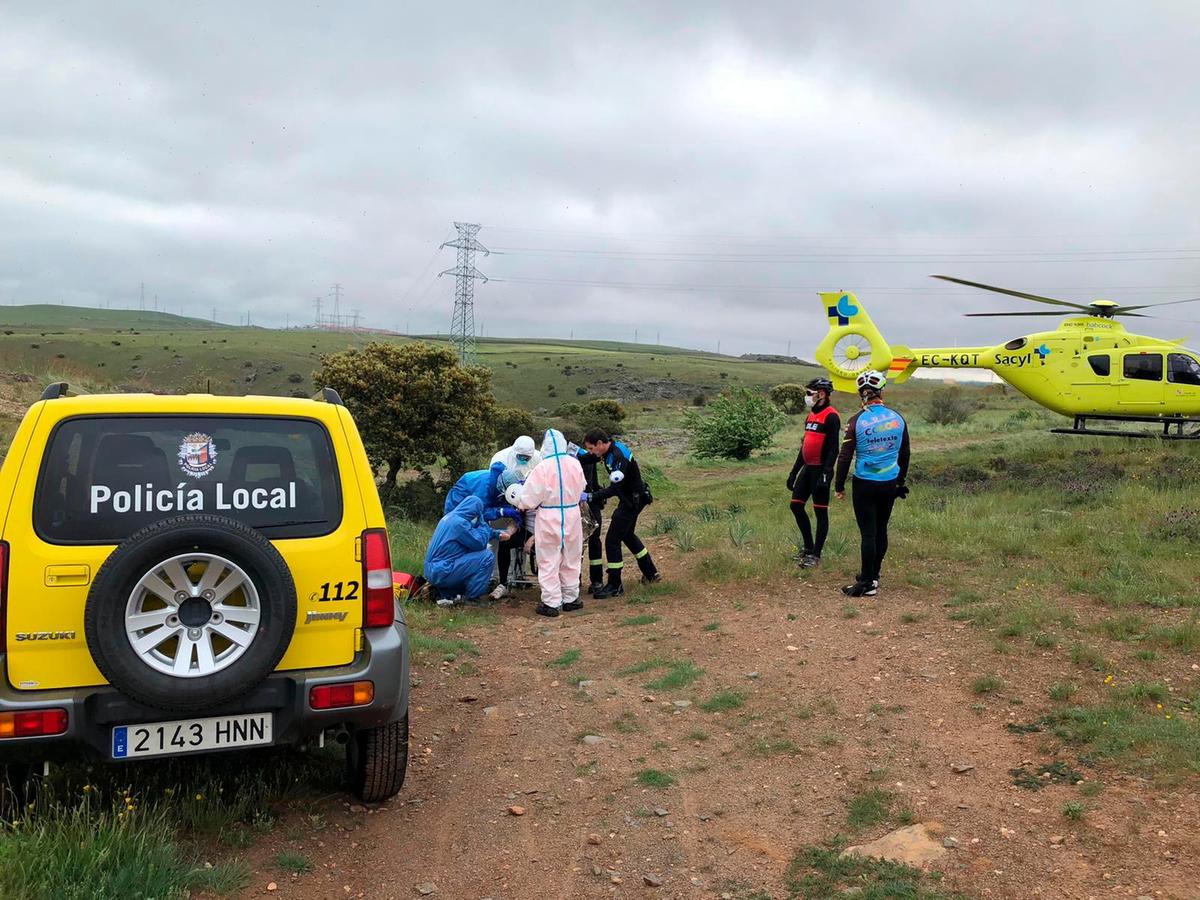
555	488
520	459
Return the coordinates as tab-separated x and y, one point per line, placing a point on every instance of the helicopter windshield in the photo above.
1183	369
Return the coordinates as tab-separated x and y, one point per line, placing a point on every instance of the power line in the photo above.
993	256
825	236
794	288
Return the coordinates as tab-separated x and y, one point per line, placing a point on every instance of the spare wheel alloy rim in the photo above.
193	615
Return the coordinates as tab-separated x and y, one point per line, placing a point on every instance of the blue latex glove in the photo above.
511	512
585	497
493	512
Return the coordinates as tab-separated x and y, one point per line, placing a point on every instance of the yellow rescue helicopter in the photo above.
1089	367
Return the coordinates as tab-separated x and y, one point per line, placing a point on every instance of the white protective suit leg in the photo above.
549	556
571	564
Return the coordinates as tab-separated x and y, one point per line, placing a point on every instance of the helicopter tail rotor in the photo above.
854	344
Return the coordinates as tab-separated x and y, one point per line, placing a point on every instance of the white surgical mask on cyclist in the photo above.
809	400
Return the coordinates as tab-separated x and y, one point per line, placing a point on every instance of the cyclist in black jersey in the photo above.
812	473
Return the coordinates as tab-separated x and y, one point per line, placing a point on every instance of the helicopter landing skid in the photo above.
1172	428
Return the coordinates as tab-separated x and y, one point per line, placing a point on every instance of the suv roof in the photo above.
193	403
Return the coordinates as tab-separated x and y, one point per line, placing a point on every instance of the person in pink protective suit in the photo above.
554	488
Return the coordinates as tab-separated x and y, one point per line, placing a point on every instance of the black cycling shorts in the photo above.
813	482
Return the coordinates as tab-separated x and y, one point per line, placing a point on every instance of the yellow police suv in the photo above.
191	574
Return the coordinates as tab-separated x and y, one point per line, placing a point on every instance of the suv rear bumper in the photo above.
92	712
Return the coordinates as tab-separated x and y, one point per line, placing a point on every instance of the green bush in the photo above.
736	424
605	414
950	406
510	423
788	397
420	499
568	410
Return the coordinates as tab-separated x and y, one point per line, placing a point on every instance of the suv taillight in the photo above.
33	723
337	696
378	600
3	596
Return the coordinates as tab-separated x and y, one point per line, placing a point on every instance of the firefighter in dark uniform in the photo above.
595	547
812	474
626	484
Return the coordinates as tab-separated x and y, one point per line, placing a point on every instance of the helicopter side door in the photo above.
1141	387
1183	383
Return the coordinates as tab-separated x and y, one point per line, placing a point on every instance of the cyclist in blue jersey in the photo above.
877	441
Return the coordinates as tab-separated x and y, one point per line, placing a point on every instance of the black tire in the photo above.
104	615
377	760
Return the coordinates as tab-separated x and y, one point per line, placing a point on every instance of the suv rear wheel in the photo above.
377	760
190	612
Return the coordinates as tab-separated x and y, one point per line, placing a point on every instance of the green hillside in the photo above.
44	316
141	351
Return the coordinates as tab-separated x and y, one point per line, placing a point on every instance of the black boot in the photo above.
649	570
614	588
551	612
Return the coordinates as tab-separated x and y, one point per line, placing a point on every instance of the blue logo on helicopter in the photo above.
1042	352
844	310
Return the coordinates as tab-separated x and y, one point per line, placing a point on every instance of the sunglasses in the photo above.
522	458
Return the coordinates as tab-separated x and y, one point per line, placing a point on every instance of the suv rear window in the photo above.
103	477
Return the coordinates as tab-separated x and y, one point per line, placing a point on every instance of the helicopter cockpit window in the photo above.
1183	369
1101	364
1144	366
1015	344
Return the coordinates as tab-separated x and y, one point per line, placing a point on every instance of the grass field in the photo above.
159	352
1041	547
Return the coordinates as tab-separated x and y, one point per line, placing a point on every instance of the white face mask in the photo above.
809	401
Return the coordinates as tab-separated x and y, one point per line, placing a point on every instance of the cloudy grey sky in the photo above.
695	170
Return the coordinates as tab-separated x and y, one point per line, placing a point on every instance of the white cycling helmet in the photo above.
872	380
513	494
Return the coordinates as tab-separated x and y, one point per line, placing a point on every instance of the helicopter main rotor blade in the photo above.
1121	310
1021	294
1057	315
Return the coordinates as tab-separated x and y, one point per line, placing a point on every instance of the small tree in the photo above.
788	397
414	404
512	422
950	406
735	425
605	414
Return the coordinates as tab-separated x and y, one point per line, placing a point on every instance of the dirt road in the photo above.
832	708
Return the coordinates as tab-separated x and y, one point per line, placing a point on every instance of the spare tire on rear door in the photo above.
190	612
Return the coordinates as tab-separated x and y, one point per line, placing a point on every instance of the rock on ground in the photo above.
914	845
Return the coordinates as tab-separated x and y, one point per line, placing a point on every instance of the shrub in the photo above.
418	500
605	414
699	400
950	406
510	423
581	390
788	397
736	425
413	403
568	410
295	378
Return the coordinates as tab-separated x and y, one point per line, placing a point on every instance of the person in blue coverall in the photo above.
458	561
482	484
